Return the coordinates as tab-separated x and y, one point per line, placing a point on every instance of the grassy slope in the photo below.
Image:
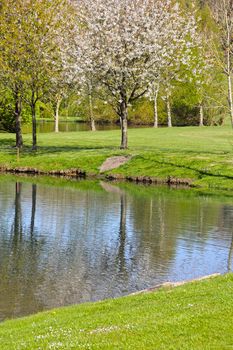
194	316
203	154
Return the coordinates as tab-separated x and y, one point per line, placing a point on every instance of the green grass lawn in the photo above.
196	316
204	155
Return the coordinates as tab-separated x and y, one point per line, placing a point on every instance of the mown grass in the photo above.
204	155
196	316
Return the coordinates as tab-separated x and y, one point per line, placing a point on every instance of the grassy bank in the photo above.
203	155
196	316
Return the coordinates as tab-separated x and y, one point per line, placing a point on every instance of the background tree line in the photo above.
144	62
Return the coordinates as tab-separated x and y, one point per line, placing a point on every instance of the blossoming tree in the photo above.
124	43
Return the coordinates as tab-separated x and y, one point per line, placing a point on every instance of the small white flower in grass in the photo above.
56	345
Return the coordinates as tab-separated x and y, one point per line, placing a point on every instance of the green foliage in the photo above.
102	111
77	107
22	68
7	113
141	112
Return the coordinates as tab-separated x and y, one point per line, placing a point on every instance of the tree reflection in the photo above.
17	224
225	221
33	211
230	256
20	274
122	234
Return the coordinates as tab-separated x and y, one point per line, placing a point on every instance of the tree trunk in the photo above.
93	128
124	132
124	119
91	114
230	100
34	138
156	92
18	129
169	116
201	115
228	70
58	103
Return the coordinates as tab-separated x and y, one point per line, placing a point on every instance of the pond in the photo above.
65	242
66	126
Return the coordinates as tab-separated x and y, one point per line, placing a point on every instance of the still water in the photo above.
74	241
66	126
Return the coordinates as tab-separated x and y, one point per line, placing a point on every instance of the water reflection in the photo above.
63	245
33	213
44	126
66	126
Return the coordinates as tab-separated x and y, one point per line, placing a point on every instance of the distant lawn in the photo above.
196	316
204	155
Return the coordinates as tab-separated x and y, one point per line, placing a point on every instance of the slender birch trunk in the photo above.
229	68
201	115
91	114
58	103
230	100
169	115
156	93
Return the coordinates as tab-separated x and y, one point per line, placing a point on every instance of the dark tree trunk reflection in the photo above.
230	256
33	212
17	224
122	233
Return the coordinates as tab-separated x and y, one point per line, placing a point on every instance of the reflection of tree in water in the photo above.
165	223
96	261
230	256
157	225
147	244
74	266
18	285
153	221
120	258
33	211
17	224
225	225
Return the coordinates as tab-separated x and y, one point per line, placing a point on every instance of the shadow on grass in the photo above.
42	150
181	151
199	172
7	143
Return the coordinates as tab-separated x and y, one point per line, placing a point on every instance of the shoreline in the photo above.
81	174
192	157
164	317
161	286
